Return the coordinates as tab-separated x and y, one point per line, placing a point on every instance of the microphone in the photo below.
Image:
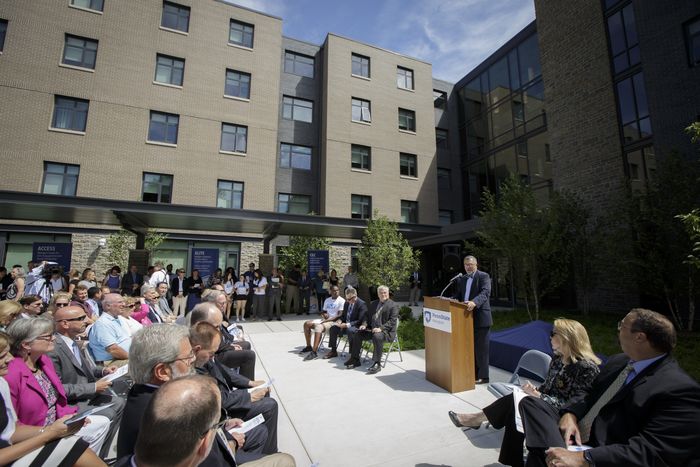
450	283
456	277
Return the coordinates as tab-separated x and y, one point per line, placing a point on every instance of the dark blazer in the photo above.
387	319
175	286
654	420
78	381
190	283
413	282
479	294
359	313
235	398
128	282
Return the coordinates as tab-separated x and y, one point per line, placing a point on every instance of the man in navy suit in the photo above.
474	289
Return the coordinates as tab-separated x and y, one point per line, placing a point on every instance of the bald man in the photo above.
78	372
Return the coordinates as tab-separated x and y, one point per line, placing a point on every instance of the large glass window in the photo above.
234	138
692	35
169	70
439	99
70	113
175	17
499	84
293	204
297	109
298	64
529	55
60	179
163	127
445	217
97	5
360	65
634	109
80	52
295	157
3	33
540	165
361	111
409	212
624	43
229	194
157	188
441	138
404	78
360	207
408	165
361	157
407	120
237	84
444	178
241	34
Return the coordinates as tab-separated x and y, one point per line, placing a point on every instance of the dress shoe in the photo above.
482	381
311	356
308	348
472	421
331	354
376	368
279	319
352	364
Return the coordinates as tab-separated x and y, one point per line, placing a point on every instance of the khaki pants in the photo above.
179	305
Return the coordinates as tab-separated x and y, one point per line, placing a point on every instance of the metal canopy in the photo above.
139	216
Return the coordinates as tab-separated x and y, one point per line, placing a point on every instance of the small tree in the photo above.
385	257
122	241
296	251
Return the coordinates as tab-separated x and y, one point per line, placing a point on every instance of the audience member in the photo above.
241	290
332	309
109	341
354	314
249	276
88	278
131	281
642	409
159	275
276	285
94	301
194	286
179	292
304	293
414	284
259	294
350	279
113	280
31	306
379	326
150	297
292	292
59	300
80	295
57	281
162	290
5	281
130	320
10	310
15	291
319	287
73	279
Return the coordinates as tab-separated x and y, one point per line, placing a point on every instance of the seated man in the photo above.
332	308
236	401
78	371
380	326
642	409
354	313
109	341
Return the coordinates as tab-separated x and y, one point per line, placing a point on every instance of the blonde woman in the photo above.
573	369
9	311
59	300
16	290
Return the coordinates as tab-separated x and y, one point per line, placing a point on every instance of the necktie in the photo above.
587	421
350	312
76	353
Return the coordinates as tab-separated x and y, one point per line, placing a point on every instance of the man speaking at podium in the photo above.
474	289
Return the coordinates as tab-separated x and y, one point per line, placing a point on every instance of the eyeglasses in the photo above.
61	304
45	337
79	318
215	427
188	358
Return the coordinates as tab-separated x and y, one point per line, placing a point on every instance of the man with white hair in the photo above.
109	340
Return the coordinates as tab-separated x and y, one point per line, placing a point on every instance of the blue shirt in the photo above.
468	288
107	331
641	365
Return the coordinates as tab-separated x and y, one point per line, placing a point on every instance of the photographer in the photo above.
39	281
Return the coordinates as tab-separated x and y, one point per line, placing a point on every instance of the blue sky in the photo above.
453	35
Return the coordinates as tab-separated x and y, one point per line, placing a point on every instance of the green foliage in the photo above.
153	240
405	313
120	242
691	221
296	252
411	334
385	257
694	131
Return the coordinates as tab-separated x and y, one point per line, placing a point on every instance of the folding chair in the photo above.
393	343
532	365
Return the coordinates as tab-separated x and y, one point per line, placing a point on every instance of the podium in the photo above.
449	344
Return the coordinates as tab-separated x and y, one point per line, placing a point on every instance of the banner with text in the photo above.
318	259
436	319
54	252
206	260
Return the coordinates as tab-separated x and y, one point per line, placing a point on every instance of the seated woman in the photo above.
59	300
573	369
36	391
10	310
22	444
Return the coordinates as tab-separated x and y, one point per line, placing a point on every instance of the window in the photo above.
624	43
97	5
234	138
441	138
157	188
293	204
407	120
237	84
3	33
298	64
295	157
361	111
229	194
79	51
361	157
360	65
529	55
445	217
70	113
241	34
169	70
60	179
361	207
409	212
692	37
297	109
633	108
404	78
163	127
175	17
439	99
408	165
444	179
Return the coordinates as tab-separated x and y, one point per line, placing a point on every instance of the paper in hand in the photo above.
249	425
119	372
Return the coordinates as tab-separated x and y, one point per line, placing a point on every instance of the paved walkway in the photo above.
334	417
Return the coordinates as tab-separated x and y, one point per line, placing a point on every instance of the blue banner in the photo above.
318	259
206	260
54	252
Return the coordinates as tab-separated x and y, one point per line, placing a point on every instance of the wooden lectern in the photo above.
449	356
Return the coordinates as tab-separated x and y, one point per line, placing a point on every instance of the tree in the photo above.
385	257
120	242
295	252
691	221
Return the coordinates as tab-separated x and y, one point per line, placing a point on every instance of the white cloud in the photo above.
271	7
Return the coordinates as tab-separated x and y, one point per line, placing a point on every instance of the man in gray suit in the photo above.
79	373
